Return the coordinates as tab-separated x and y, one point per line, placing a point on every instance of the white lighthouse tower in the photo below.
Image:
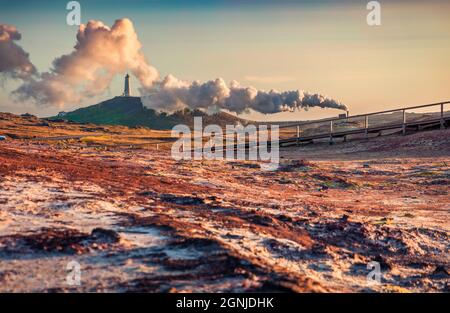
126	91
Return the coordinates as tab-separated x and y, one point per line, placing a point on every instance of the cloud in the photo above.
100	53
14	61
172	94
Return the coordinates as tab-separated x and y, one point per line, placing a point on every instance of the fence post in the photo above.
331	132
298	135
366	126
404	122
442	116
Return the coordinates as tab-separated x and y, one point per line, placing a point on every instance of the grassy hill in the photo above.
129	111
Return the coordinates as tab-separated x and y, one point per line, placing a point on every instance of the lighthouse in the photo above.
126	91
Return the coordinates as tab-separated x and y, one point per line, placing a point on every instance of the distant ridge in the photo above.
129	111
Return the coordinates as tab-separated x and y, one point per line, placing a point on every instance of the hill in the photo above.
129	111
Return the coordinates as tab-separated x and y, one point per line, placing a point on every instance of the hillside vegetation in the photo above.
129	111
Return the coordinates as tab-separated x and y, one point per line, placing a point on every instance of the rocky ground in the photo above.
135	220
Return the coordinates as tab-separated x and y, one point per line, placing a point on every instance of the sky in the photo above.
324	47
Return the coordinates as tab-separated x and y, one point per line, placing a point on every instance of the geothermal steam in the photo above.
101	53
172	94
14	61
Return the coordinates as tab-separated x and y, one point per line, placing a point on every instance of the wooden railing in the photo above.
295	137
367	127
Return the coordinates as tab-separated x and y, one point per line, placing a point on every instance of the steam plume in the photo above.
14	61
172	94
99	54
